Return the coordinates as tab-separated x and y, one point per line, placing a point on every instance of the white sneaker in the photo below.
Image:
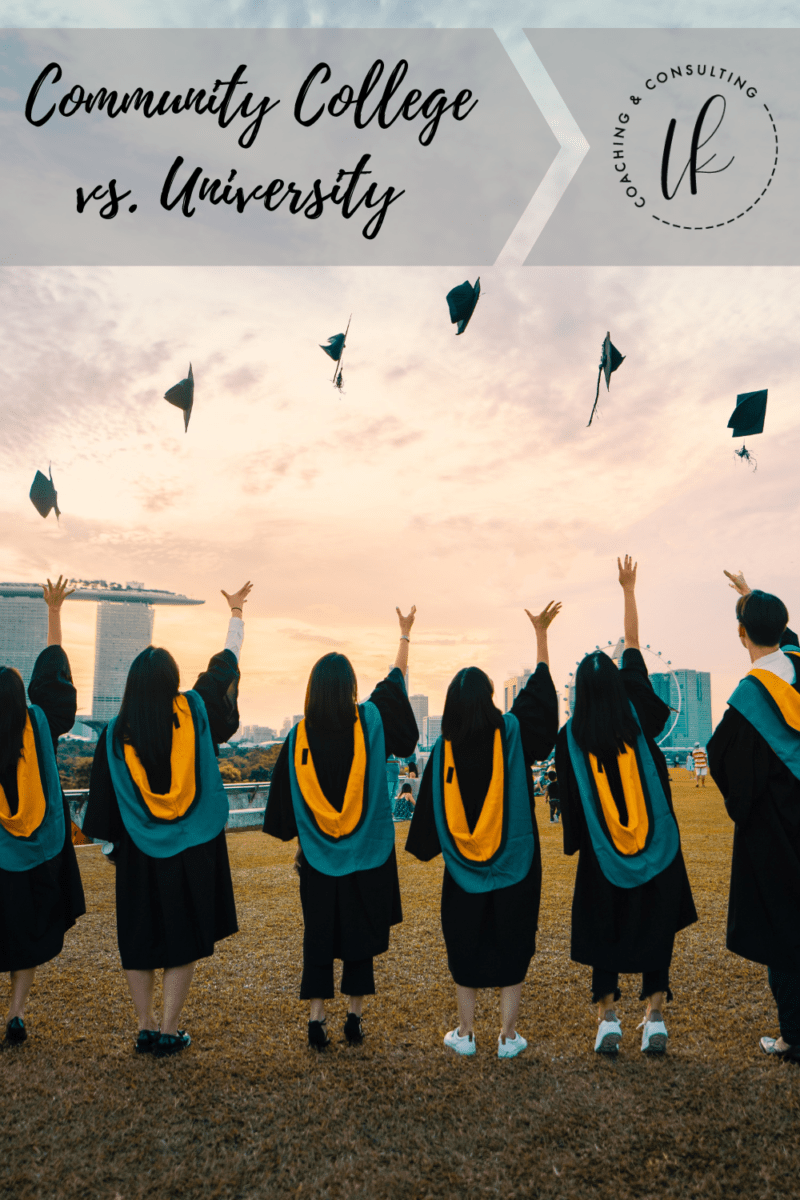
462	1045
609	1036
511	1047
654	1038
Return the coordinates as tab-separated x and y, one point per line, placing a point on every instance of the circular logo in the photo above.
695	147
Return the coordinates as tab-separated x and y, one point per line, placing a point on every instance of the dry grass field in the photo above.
248	1111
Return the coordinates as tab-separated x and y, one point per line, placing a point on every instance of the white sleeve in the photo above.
235	636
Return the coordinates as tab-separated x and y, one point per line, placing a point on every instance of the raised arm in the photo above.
54	596
738	583
236	604
540	623
627	581
401	661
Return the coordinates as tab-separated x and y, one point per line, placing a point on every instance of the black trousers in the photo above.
606	982
785	987
358	979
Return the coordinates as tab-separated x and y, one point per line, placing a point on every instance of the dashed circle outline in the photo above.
721	224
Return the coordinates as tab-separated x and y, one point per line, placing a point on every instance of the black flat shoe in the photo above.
171	1043
16	1032
353	1030
317	1037
147	1040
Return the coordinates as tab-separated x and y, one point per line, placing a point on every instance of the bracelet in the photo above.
403	638
233	610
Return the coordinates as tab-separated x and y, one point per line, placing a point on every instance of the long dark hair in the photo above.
602	721
468	706
332	694
13	715
145	715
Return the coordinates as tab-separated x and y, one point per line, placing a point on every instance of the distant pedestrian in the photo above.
700	761
690	762
404	804
553	797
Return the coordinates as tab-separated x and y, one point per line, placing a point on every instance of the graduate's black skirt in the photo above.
491	936
36	909
628	930
349	916
171	911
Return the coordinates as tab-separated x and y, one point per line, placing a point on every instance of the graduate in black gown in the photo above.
329	789
476	807
632	893
754	759
40	885
157	795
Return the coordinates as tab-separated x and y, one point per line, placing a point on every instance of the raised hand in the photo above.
55	593
238	599
406	622
627	573
542	620
739	583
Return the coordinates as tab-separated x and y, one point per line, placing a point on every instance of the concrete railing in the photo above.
247	801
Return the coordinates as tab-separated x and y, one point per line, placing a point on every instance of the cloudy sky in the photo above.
456	474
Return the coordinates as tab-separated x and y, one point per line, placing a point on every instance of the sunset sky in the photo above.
455	474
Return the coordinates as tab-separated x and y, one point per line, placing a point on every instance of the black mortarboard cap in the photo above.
182	396
611	359
747	418
461	301
43	495
335	346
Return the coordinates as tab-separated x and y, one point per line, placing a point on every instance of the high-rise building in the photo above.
124	627
23	631
296	720
123	631
419	707
513	686
256	733
694	722
431	728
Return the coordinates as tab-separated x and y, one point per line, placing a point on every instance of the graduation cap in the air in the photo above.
609	361
461	301
335	349
44	495
747	419
182	396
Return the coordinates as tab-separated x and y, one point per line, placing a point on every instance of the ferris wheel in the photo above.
659	663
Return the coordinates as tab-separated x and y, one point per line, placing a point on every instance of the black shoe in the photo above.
317	1037
171	1043
353	1030
147	1040
16	1032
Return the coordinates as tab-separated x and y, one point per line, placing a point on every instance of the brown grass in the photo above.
248	1111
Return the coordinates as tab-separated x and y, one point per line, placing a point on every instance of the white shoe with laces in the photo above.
511	1047
609	1036
465	1046
654	1038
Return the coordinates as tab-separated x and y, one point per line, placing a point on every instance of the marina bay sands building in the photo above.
125	617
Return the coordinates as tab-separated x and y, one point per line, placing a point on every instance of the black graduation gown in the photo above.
170	911
625	930
763	798
38	906
490	936
346	916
